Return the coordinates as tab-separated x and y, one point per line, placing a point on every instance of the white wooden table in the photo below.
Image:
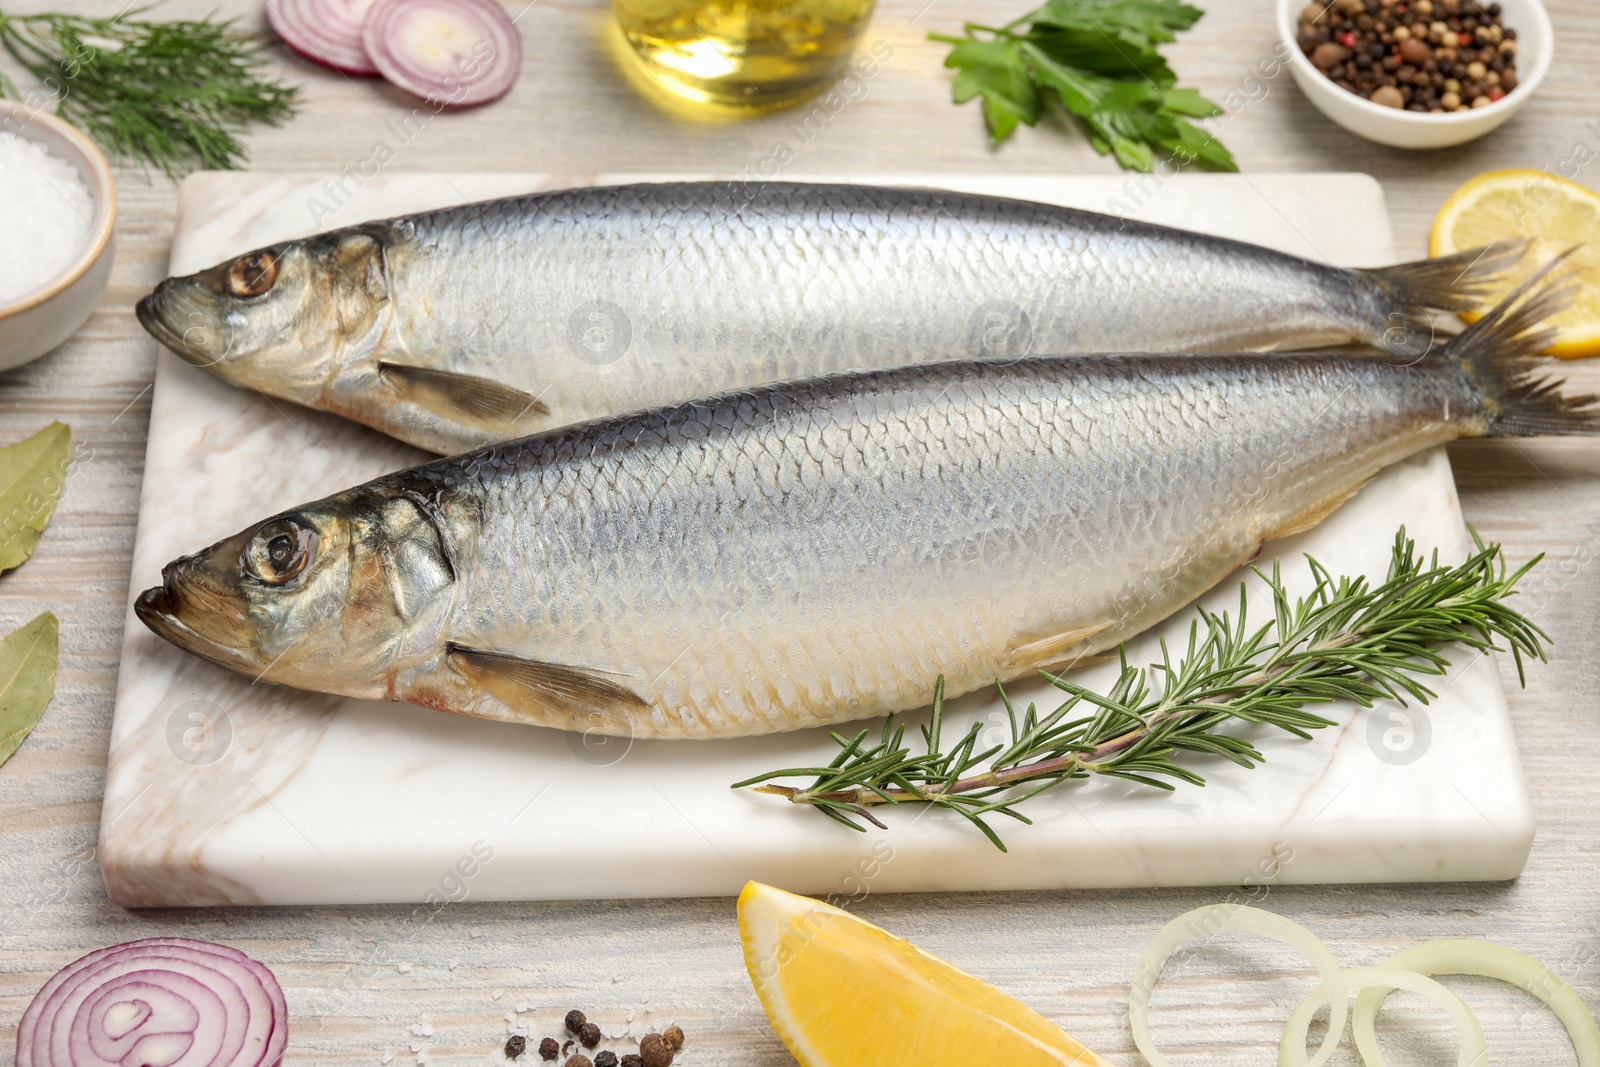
357	979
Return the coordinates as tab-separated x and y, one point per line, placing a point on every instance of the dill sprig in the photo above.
175	95
1347	639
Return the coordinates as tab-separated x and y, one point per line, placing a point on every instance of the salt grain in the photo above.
45	215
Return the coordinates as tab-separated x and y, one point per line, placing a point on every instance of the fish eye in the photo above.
252	275
279	552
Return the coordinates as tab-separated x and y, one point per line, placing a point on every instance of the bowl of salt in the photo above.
58	205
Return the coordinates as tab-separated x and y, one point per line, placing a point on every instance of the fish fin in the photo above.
549	694
1461	281
454	395
1458	282
1053	649
1499	355
1302	521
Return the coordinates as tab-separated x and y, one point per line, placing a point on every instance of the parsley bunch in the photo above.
1100	59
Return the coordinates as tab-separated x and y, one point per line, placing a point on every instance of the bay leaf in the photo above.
32	475
27	679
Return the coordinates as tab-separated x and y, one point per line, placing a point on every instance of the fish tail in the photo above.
1461	281
1500	356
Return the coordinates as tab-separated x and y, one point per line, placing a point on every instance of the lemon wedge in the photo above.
841	992
1554	214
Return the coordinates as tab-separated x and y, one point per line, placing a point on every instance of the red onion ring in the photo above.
325	31
160	1002
452	53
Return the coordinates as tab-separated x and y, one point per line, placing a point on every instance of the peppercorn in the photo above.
516	1045
1369	45
674	1036
549	1049
654	1051
589	1034
605	1058
1327	55
566	1046
1414	52
580	1060
575	1020
632	1060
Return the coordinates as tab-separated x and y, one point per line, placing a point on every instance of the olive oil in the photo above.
749	53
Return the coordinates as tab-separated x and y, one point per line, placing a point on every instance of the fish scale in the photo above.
955	530
813	552
587	303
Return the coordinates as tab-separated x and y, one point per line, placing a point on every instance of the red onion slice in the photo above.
449	52
161	1002
325	31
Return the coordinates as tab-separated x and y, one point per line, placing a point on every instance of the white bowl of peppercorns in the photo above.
1417	73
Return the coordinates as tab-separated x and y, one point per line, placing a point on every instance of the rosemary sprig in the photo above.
174	95
1345	640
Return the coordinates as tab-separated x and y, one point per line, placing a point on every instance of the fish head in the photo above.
334	597
279	319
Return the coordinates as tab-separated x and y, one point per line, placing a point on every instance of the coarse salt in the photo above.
46	214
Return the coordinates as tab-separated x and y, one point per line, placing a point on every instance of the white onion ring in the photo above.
1378	981
325	31
1214	918
1486	959
453	53
1410	970
161	1002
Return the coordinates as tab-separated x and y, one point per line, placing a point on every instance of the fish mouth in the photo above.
150	310
159	608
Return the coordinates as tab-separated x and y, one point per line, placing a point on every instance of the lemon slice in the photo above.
1554	214
841	992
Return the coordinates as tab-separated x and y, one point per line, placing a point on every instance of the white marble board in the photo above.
222	792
